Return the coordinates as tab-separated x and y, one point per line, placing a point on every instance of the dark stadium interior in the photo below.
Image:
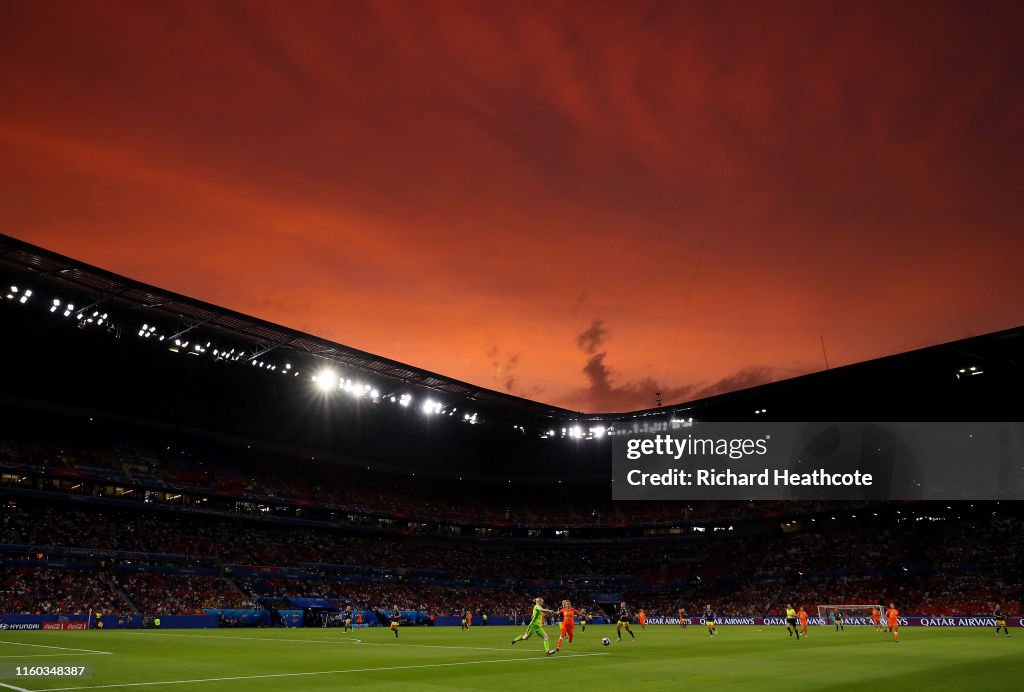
137	478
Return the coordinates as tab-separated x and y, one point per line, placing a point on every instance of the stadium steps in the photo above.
230	579
120	592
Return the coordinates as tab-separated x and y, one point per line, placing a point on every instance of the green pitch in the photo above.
663	657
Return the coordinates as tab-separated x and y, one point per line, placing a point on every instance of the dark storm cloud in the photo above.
750	376
578	303
592	337
604	394
503	367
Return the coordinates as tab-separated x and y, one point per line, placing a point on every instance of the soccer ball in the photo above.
606	641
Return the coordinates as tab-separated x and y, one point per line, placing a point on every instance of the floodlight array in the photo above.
188	341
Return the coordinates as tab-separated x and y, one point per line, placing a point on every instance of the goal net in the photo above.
853	614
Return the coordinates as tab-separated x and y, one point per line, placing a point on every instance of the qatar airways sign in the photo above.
909	621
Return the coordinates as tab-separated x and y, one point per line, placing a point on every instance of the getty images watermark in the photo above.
839	461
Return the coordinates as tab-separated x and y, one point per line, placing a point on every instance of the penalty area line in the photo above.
305	674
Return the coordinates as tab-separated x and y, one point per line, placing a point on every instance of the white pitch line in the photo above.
321	641
12	687
307	674
41	655
62	648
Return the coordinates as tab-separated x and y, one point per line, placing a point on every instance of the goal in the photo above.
853	614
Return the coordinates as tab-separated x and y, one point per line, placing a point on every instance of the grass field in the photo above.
662	658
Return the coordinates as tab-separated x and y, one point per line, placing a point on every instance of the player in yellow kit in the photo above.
791	625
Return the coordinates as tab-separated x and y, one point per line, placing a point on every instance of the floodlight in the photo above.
325	380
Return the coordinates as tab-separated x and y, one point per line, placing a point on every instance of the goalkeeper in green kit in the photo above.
536	626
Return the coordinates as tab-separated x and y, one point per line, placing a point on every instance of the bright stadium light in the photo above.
405	399
325	380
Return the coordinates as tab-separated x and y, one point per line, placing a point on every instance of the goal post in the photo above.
853	613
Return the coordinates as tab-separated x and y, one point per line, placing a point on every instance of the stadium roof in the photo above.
105	288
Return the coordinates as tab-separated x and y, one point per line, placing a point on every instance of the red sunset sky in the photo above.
578	202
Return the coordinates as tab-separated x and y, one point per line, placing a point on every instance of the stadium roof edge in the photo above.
837	371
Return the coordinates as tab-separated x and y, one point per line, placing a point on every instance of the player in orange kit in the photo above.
641	618
876	618
802	614
568	626
892	617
